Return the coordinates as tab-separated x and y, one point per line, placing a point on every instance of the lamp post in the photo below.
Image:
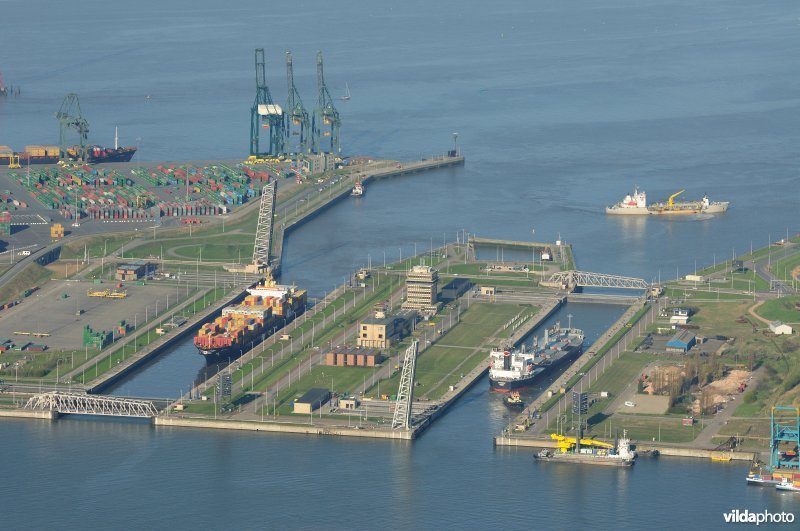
455	144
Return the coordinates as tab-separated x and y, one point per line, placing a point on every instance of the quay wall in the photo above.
29	414
274	427
663	449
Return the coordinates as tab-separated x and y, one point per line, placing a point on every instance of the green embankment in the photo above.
457	352
32	275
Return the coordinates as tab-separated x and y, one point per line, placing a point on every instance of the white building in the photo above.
779	328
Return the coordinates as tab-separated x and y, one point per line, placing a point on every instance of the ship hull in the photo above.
503	386
677	210
627	211
96	156
587	459
232	352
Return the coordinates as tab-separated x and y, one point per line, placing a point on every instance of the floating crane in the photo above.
326	121
265	117
297	120
69	117
671	200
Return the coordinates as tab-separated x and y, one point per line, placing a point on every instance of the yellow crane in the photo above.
566	443
671	199
108	294
13	163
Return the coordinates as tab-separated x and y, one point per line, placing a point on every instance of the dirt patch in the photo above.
752	311
723	390
646	404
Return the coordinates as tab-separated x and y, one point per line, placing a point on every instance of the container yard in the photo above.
70	308
143	193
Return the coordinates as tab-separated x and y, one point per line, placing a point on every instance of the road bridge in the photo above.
83	404
573	279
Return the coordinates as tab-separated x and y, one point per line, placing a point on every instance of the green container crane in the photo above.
266	118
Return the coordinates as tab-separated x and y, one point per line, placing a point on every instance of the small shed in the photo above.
681	342
487	290
779	328
679	319
312	400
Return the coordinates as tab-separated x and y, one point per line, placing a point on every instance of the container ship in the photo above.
517	369
636	204
50	155
590	452
267	307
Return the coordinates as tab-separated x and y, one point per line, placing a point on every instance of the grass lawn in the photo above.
782	309
226	247
32	275
95	246
443	364
640	428
783	268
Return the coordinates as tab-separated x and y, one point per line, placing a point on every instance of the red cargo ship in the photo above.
50	155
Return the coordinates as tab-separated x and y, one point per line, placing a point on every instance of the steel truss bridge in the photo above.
573	278
83	404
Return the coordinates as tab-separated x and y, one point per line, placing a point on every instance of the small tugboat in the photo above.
514	401
358	190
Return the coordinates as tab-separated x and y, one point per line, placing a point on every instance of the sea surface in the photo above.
560	109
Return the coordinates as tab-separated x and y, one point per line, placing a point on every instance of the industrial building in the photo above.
135	270
382	331
311	401
455	288
780	328
422	289
681	342
353	357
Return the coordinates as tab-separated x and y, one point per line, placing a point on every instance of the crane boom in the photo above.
671	199
568	442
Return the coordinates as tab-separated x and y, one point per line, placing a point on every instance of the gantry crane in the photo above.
297	120
265	116
69	117
326	121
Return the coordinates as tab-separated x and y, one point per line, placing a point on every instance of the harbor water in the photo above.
560	109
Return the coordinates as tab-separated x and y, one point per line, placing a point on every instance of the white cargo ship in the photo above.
636	204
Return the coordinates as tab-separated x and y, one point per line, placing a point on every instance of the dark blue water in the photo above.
560	108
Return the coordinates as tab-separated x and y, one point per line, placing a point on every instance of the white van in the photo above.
25	253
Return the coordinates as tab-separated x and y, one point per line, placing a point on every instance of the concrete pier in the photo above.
279	427
29	414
